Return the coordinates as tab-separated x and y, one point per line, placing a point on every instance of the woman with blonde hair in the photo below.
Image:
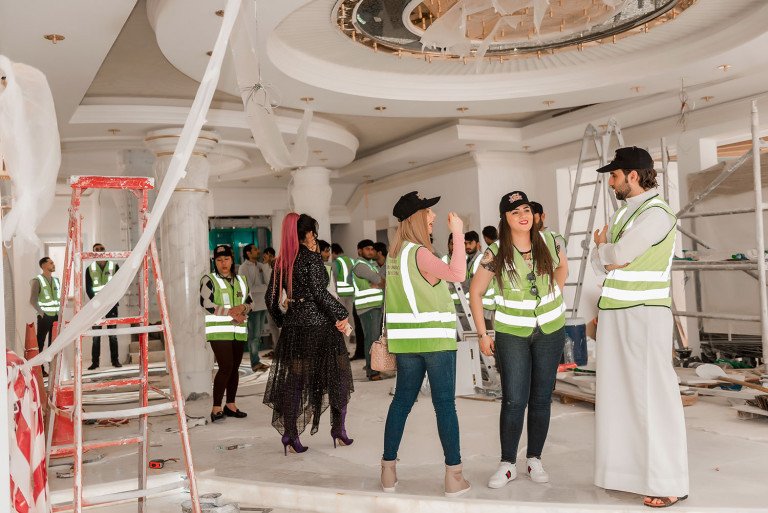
421	332
530	270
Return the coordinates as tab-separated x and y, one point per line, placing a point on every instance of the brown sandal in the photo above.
665	501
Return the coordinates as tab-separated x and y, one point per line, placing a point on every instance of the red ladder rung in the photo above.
59	450
104	255
113	321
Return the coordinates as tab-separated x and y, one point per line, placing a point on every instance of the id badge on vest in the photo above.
225	298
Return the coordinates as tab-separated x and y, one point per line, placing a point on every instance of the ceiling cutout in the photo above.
498	29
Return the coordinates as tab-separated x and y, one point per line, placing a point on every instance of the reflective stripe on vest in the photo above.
646	280
49	300
220	327
100	277
489	302
518	311
365	296
343	286
419	317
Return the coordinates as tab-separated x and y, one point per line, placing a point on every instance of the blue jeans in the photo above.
371	321
528	368
440	368
256	322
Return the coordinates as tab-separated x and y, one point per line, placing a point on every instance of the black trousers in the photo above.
44	330
229	355
359	336
96	347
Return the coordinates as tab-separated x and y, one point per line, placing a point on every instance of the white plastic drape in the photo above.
97	307
257	100
449	31
29	143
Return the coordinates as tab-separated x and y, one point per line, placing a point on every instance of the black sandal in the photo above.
665	501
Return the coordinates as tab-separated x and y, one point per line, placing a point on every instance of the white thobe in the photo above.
640	438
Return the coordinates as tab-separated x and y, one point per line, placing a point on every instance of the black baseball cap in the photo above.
411	203
511	201
629	158
222	250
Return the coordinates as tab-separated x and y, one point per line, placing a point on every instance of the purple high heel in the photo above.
339	430
294	444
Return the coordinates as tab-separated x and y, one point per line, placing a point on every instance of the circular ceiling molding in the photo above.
455	29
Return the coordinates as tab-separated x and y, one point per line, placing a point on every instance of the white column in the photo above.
311	194
185	257
693	155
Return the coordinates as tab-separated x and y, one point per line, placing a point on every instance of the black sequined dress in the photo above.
311	369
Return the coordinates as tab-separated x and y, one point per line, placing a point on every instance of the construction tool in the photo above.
62	384
160	463
710	371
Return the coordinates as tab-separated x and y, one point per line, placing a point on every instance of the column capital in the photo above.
163	142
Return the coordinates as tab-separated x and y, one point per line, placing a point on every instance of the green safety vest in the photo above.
489	298
420	318
451	289
99	276
228	295
646	280
518	311
365	296
344	287
49	297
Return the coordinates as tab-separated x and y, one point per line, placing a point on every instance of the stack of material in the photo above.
156	351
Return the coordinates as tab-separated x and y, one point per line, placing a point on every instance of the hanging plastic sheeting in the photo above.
258	101
97	307
26	443
449	31
29	143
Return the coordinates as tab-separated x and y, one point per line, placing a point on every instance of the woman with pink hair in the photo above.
311	366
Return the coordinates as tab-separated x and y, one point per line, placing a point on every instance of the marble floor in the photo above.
728	460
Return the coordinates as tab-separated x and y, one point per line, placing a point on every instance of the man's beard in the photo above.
622	194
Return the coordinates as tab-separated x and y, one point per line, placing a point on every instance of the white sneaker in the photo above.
536	471
503	475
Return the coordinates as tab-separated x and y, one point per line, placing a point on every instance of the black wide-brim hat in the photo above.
410	203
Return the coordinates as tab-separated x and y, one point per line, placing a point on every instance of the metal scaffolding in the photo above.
755	269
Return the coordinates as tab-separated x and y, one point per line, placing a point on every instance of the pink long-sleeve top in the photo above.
433	269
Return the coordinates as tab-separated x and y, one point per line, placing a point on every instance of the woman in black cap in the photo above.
225	299
530	271
421	331
311	367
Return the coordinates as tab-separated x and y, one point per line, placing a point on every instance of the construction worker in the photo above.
98	275
529	274
344	287
640	438
224	297
447	259
325	253
490	235
474	256
369	299
540	218
45	298
256	276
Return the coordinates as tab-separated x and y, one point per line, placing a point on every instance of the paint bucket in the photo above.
576	331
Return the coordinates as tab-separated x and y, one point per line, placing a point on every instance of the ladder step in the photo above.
587	183
114	321
577	233
571	284
116	383
131	412
104	255
584	208
120	496
58	450
574	258
126	331
111	182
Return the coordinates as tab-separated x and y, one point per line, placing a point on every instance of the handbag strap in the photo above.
384	315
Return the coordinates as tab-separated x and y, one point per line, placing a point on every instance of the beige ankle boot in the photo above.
388	475
455	484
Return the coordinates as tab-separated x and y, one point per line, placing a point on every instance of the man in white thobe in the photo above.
640	438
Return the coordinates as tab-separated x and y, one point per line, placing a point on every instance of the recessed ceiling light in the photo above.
209	53
54	38
724	67
323	160
526	148
380	108
307	99
707	98
470	145
548	103
278	176
220	13
113	131
317	152
411	162
637	89
462	109
366	176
